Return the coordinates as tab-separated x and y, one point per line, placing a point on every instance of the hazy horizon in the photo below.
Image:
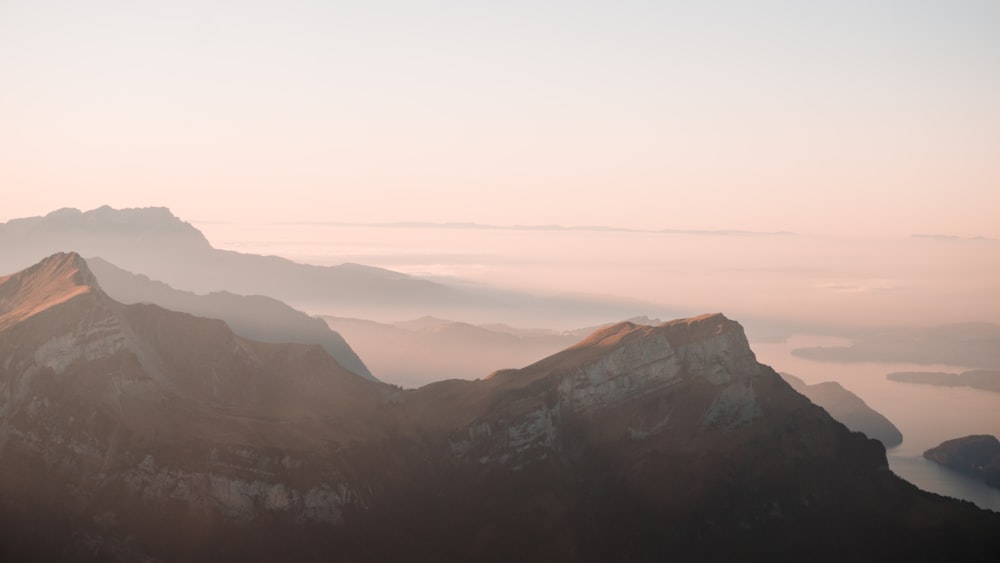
841	281
832	282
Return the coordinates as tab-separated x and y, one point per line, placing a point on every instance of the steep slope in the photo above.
132	432
256	317
849	409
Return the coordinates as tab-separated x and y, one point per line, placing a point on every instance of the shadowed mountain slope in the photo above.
133	432
849	409
255	317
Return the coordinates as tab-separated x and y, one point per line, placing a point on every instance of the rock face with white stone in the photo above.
616	366
129	432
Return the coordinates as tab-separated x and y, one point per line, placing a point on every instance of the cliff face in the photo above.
129	432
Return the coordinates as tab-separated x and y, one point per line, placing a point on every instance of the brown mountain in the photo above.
137	433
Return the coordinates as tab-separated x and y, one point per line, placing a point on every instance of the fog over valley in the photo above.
809	280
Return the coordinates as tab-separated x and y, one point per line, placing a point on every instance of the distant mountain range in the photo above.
984	379
152	241
963	344
155	243
598	228
135	433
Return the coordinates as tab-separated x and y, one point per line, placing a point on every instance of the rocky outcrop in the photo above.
136	433
977	456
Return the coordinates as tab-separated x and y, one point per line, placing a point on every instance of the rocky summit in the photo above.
134	433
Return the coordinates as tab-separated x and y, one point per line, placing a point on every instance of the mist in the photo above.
818	281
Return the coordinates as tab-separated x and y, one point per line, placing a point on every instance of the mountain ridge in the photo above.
255	317
170	250
42	286
132	432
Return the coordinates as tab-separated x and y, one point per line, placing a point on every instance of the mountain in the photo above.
131	432
155	243
978	456
255	317
983	379
120	422
849	409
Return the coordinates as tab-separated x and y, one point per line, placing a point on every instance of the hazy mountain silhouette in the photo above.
155	243
132	432
255	317
962	344
849	409
984	379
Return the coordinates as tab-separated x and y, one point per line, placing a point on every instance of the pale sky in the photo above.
868	117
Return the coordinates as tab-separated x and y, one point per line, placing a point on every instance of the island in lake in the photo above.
978	456
985	379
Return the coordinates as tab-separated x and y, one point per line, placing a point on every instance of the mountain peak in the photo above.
691	329
52	281
703	326
133	223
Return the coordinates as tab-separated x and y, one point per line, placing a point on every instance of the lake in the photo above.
926	415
